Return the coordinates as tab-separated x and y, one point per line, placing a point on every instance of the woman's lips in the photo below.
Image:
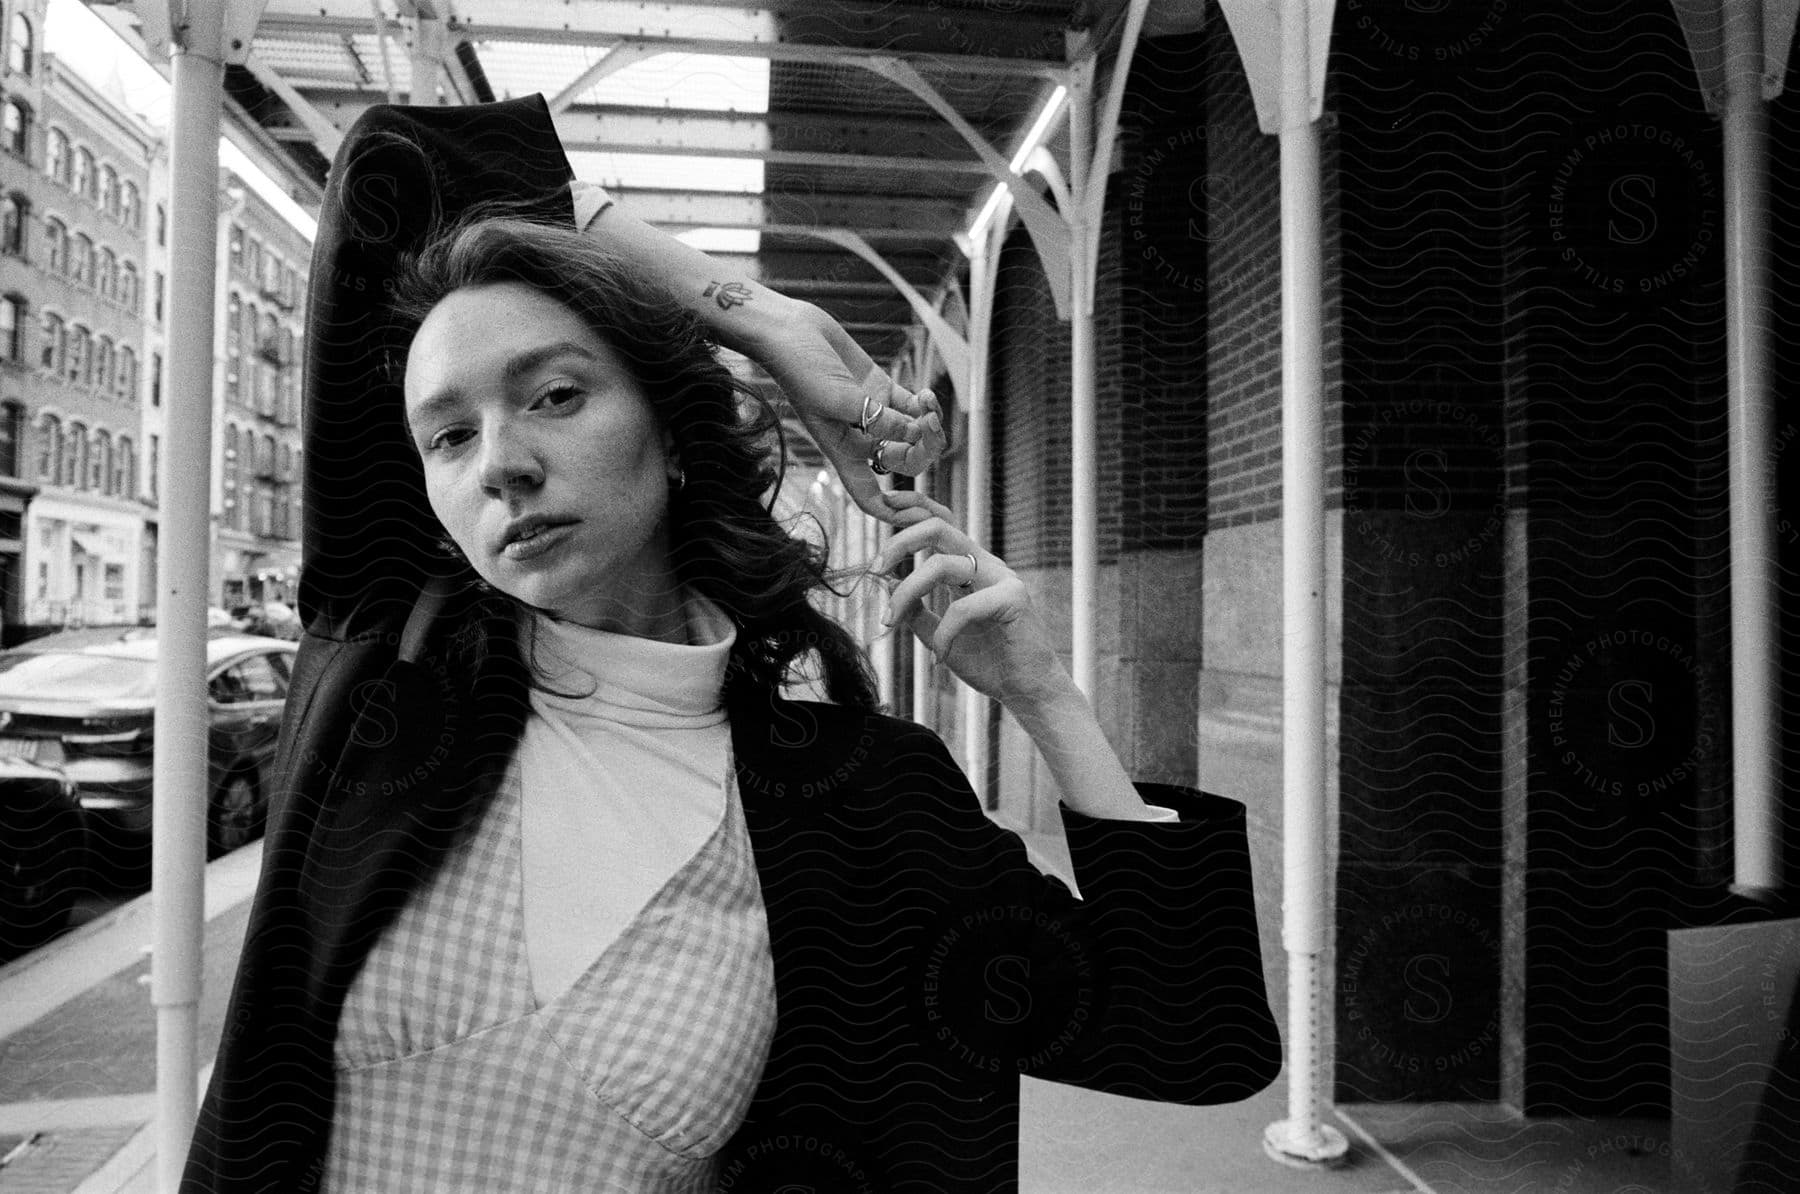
538	544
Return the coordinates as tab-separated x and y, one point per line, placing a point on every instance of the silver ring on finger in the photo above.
868	416
968	586
875	465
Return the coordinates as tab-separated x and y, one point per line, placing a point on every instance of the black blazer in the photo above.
921	962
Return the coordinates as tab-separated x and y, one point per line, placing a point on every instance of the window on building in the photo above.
156	379
81	259
128	373
15	127
81	355
269	389
109	191
125	464
234	345
237	246
106	277
131	207
231	478
75	451
155	462
15	213
162	225
49	448
12	428
103	363
87	184
253	259
57	157
159	296
58	236
81	364
55	339
102	478
12	328
21	49
128	287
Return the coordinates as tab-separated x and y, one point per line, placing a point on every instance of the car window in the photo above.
252	678
228	687
73	676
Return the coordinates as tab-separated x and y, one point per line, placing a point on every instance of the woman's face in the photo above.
518	410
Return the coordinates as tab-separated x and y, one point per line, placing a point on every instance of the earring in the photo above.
680	478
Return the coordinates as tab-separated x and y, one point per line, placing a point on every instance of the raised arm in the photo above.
825	373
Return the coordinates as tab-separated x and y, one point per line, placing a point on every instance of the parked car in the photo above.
82	703
43	854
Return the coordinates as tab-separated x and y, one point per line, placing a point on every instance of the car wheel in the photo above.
43	865
235	815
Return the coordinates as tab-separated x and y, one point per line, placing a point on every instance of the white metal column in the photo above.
983	264
178	851
1756	808
1091	139
1303	1138
1084	483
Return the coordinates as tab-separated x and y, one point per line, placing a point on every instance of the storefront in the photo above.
80	565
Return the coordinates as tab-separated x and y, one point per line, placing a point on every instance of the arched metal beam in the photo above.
1050	232
950	342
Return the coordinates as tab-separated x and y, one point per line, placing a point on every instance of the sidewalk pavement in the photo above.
77	1080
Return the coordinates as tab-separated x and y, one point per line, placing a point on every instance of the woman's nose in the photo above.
508	459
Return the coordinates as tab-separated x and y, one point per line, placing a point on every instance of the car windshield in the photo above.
73	676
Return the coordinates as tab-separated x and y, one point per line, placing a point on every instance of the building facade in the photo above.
77	170
84	322
256	410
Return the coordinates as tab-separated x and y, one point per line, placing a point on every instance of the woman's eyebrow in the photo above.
510	373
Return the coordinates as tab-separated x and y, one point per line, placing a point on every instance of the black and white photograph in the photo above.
899	597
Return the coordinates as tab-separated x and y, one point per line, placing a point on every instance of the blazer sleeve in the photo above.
401	173
1151	986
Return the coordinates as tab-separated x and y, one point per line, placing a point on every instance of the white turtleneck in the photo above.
621	785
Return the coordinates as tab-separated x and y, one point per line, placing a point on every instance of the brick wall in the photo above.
1154	270
1029	382
1243	281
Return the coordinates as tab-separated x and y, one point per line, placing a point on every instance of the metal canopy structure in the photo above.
842	145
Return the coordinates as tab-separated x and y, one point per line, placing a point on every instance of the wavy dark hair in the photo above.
724	542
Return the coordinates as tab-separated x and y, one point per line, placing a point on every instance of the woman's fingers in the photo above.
912	499
909	595
992	602
928	532
890	410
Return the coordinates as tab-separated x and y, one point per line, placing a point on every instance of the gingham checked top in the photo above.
452	1074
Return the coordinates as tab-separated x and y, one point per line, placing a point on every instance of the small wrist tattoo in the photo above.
727	294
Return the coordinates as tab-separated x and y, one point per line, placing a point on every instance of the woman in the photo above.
559	892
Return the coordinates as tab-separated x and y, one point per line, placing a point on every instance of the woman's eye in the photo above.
566	393
439	441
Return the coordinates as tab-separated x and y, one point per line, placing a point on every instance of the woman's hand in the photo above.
833	383
990	634
993	639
